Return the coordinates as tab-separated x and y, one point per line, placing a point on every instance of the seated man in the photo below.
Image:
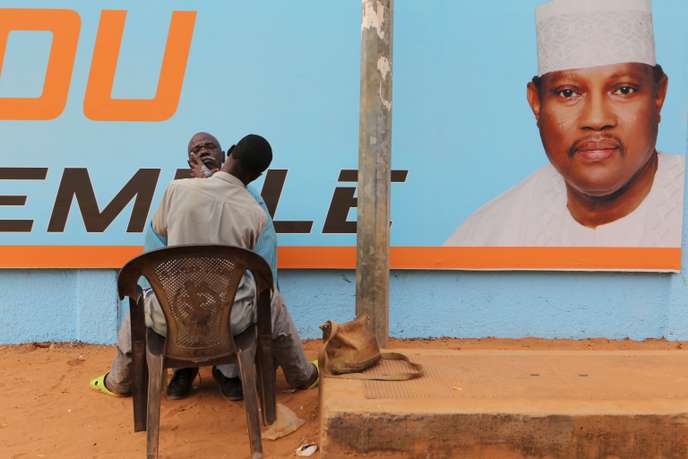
205	157
218	210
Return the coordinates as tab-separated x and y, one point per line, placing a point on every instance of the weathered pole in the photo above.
374	153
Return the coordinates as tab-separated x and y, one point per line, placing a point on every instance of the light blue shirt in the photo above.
266	246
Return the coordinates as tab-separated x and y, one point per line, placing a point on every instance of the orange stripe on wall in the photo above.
467	258
544	258
67	256
493	258
316	257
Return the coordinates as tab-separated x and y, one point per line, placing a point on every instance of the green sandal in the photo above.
98	384
315	383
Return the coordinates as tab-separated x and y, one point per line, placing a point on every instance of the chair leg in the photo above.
139	367
155	369
266	379
140	387
247	369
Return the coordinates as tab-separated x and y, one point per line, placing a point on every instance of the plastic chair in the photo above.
195	286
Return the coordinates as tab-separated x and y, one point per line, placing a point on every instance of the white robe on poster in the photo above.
534	213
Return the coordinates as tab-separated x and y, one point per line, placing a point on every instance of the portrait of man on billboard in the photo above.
597	101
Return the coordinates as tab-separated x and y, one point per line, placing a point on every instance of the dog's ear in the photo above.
326	329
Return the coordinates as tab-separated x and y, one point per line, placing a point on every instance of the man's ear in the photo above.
534	100
662	87
228	165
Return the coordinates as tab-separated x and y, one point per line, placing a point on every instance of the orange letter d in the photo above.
64	25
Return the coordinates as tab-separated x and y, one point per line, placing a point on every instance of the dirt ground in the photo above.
48	411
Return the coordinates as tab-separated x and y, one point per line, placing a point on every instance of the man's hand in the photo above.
198	169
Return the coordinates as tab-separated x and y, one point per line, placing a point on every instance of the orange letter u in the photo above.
98	102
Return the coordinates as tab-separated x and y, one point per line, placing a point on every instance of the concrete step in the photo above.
514	404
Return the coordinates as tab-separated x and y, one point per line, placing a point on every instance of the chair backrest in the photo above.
196	286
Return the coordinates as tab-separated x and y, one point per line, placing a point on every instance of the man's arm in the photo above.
266	246
152	239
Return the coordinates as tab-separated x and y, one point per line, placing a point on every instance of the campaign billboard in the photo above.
514	145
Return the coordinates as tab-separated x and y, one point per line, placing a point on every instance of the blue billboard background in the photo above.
289	71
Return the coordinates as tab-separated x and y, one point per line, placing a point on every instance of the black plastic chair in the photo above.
195	286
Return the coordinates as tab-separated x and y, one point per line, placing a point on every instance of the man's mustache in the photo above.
597	142
209	161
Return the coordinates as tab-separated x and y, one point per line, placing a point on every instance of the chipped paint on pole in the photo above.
374	154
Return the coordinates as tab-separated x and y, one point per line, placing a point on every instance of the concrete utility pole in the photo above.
374	153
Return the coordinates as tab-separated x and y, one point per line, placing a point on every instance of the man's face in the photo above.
207	149
598	125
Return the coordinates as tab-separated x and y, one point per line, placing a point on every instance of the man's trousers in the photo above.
287	350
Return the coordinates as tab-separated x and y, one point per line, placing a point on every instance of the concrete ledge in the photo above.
515	404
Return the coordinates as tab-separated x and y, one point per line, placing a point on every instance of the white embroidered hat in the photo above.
575	34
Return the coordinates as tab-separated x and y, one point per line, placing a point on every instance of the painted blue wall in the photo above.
82	305
506	304
58	305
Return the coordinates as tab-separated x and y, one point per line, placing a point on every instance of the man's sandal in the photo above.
98	384
315	383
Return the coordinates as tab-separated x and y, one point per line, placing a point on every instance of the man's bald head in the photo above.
202	137
207	148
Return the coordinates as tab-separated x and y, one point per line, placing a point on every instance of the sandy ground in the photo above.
48	411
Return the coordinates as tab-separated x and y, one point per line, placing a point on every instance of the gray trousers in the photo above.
287	350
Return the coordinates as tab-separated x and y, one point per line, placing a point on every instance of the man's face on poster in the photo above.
599	125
